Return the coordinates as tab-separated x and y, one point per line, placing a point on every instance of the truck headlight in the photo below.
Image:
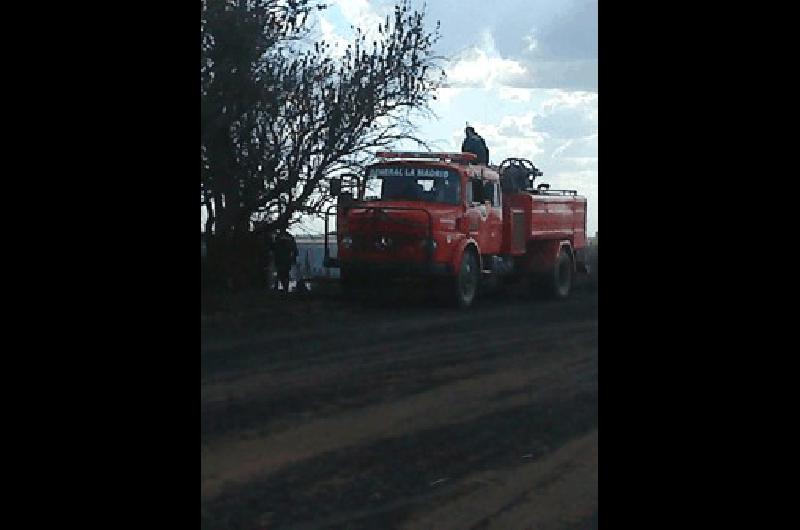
347	241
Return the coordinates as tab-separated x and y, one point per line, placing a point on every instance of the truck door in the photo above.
477	212
485	215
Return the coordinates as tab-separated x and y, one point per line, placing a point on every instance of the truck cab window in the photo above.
477	191
413	184
489	193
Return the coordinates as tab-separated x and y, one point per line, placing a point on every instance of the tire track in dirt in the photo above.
323	341
378	483
556	492
379	351
360	429
233	459
273	399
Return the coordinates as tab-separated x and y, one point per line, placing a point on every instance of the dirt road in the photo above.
399	414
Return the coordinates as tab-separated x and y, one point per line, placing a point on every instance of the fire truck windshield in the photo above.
413	184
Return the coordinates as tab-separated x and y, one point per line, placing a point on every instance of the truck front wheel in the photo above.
466	283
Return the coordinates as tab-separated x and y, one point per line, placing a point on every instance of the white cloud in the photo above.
568	115
329	34
445	95
362	14
482	66
579	148
569	99
522	95
530	41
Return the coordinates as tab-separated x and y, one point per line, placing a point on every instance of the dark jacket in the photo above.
285	251
476	144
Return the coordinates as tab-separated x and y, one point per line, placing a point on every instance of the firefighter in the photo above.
474	143
285	257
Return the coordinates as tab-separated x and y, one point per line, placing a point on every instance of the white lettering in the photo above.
409	172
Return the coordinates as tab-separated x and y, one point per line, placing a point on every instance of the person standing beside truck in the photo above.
285	257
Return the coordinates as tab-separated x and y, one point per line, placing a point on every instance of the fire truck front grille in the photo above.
385	243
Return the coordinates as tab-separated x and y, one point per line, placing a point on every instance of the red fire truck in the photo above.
443	217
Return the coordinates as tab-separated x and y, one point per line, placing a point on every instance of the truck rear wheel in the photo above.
561	279
593	270
466	284
557	282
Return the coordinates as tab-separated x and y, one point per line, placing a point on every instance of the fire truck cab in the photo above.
441	216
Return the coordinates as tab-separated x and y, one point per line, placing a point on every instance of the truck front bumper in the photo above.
392	269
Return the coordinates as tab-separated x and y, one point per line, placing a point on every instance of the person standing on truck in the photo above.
285	257
474	143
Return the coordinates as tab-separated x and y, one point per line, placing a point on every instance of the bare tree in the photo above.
237	38
282	114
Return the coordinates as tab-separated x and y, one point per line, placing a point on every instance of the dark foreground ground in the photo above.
398	413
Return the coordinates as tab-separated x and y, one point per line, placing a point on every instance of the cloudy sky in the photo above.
522	72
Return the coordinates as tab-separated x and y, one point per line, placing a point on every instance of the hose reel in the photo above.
518	174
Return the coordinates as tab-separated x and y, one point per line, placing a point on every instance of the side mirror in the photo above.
336	187
352	183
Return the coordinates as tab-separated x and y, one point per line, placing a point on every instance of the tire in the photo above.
561	277
593	276
466	283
